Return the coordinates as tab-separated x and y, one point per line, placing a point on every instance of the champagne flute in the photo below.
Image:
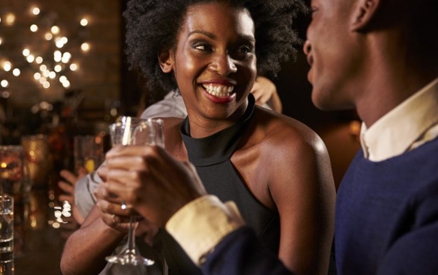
134	131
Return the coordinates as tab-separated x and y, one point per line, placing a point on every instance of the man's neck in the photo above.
388	79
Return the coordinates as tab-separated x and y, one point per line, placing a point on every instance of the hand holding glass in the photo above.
134	131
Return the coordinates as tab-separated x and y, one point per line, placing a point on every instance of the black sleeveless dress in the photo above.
211	157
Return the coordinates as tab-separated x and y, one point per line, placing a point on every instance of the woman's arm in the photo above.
302	188
86	249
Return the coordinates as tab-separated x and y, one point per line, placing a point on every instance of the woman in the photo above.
276	169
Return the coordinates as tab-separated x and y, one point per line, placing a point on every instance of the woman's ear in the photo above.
166	62
364	14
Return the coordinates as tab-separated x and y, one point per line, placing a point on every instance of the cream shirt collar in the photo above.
398	130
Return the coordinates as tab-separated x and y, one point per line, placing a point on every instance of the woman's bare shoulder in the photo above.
273	130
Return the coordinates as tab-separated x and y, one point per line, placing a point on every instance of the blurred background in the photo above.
63	73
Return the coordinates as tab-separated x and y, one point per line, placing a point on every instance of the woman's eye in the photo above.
246	49
202	47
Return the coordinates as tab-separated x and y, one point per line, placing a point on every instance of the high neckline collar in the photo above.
221	145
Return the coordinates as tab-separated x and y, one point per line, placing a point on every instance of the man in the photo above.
380	57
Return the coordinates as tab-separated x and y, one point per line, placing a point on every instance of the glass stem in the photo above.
131	235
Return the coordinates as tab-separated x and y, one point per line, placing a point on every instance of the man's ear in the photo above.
364	14
166	61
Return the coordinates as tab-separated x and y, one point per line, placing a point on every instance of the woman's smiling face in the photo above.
214	61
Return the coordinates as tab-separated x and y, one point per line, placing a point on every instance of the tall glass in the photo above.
134	131
14	181
6	235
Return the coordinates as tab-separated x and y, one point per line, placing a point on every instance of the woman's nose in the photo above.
307	47
223	64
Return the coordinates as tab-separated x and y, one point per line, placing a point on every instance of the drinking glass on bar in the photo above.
6	234
14	181
39	163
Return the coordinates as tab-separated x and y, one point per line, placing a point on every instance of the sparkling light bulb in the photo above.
36	11
73	67
85	47
57	55
55	30
84	22
16	72
26	52
48	36
33	28
10	19
30	58
7	66
4	83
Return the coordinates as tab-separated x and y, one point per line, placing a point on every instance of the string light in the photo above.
10	19
85	47
16	72
36	11
55	29
84	22
26	52
30	58
48	36
33	28
39	60
7	66
4	83
46	70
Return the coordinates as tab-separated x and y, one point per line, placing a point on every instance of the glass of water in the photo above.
6	229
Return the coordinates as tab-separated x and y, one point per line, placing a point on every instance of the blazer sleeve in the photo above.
241	252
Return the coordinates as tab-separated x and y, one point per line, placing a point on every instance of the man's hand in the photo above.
149	181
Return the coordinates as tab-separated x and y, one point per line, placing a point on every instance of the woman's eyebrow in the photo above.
208	34
243	37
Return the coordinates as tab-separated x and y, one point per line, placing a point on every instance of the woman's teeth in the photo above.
218	90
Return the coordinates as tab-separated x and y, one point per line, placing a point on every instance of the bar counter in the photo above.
42	253
44	238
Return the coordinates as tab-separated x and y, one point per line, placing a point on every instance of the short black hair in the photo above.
153	25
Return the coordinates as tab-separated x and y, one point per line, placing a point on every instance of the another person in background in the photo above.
380	57
212	51
67	185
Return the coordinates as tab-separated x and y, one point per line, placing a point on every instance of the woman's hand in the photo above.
111	213
149	181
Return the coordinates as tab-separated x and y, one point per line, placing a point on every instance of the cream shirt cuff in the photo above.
201	224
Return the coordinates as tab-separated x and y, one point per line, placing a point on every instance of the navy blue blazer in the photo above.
241	252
